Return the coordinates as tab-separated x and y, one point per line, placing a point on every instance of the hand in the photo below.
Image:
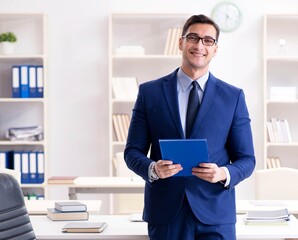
166	168
210	172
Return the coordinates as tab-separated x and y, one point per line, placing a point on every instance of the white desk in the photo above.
242	206
121	228
93	185
39	207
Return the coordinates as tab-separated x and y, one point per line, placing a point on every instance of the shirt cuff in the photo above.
228	180
151	173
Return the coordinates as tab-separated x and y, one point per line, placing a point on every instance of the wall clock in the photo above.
227	15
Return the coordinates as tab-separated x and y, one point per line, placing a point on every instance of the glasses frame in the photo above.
199	38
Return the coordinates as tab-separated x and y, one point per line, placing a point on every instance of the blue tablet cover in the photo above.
188	152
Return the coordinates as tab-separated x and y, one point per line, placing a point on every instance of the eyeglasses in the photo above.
194	38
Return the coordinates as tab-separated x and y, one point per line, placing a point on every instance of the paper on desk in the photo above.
267	203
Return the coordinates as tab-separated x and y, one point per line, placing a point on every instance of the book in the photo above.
70	206
85	227
57	215
61	179
188	152
267	216
125	88
136	217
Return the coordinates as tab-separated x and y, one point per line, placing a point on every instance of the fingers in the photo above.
166	168
208	171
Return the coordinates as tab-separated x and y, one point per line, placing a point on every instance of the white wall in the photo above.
78	72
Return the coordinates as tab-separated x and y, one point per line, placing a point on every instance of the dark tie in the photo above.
192	107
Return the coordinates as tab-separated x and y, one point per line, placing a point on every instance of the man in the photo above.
202	206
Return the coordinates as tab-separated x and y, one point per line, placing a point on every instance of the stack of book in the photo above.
67	211
86	227
276	216
62	179
279	131
31	133
172	41
121	122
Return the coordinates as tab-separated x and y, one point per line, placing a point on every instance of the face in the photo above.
197	56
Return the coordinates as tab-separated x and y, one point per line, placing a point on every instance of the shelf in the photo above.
150	31
22	100
293	144
281	59
280	54
30	49
144	57
282	101
26	57
33	185
21	143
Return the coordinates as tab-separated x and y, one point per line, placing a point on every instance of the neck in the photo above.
194	73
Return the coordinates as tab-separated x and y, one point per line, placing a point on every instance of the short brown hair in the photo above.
200	19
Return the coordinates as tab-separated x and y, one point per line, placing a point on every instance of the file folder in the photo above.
6	159
187	152
25	168
17	161
40	167
16	93
33	167
32	82
24	81
39	81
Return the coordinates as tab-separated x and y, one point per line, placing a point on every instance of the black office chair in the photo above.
14	219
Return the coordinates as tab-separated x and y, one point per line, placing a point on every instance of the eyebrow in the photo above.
199	35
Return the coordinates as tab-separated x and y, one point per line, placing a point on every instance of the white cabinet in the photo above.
137	51
30	50
280	89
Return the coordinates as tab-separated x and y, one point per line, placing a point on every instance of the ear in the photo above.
215	50
180	43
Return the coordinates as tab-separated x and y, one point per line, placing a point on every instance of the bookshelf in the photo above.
280	58
30	49
143	46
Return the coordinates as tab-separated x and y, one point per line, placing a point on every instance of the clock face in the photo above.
227	16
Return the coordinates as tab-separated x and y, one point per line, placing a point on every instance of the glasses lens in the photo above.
208	41
192	38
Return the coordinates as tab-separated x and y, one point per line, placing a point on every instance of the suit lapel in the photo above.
170	91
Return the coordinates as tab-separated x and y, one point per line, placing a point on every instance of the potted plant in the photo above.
7	41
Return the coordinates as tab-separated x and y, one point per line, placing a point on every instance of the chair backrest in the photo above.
277	184
16	174
14	219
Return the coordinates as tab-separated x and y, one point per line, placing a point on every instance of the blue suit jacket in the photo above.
223	120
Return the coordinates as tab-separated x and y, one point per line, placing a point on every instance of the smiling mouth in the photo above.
197	54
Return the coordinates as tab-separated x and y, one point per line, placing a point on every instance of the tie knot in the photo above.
195	84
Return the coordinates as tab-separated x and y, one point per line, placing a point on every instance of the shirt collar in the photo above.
185	81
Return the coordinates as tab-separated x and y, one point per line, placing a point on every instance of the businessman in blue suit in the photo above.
202	206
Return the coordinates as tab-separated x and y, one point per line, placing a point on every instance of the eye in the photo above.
192	38
208	41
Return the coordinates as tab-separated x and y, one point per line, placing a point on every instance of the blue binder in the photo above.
39	81
24	81
15	75
33	167
6	159
25	168
17	161
188	152
32	82
40	167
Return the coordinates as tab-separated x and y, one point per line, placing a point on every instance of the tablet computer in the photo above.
188	152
